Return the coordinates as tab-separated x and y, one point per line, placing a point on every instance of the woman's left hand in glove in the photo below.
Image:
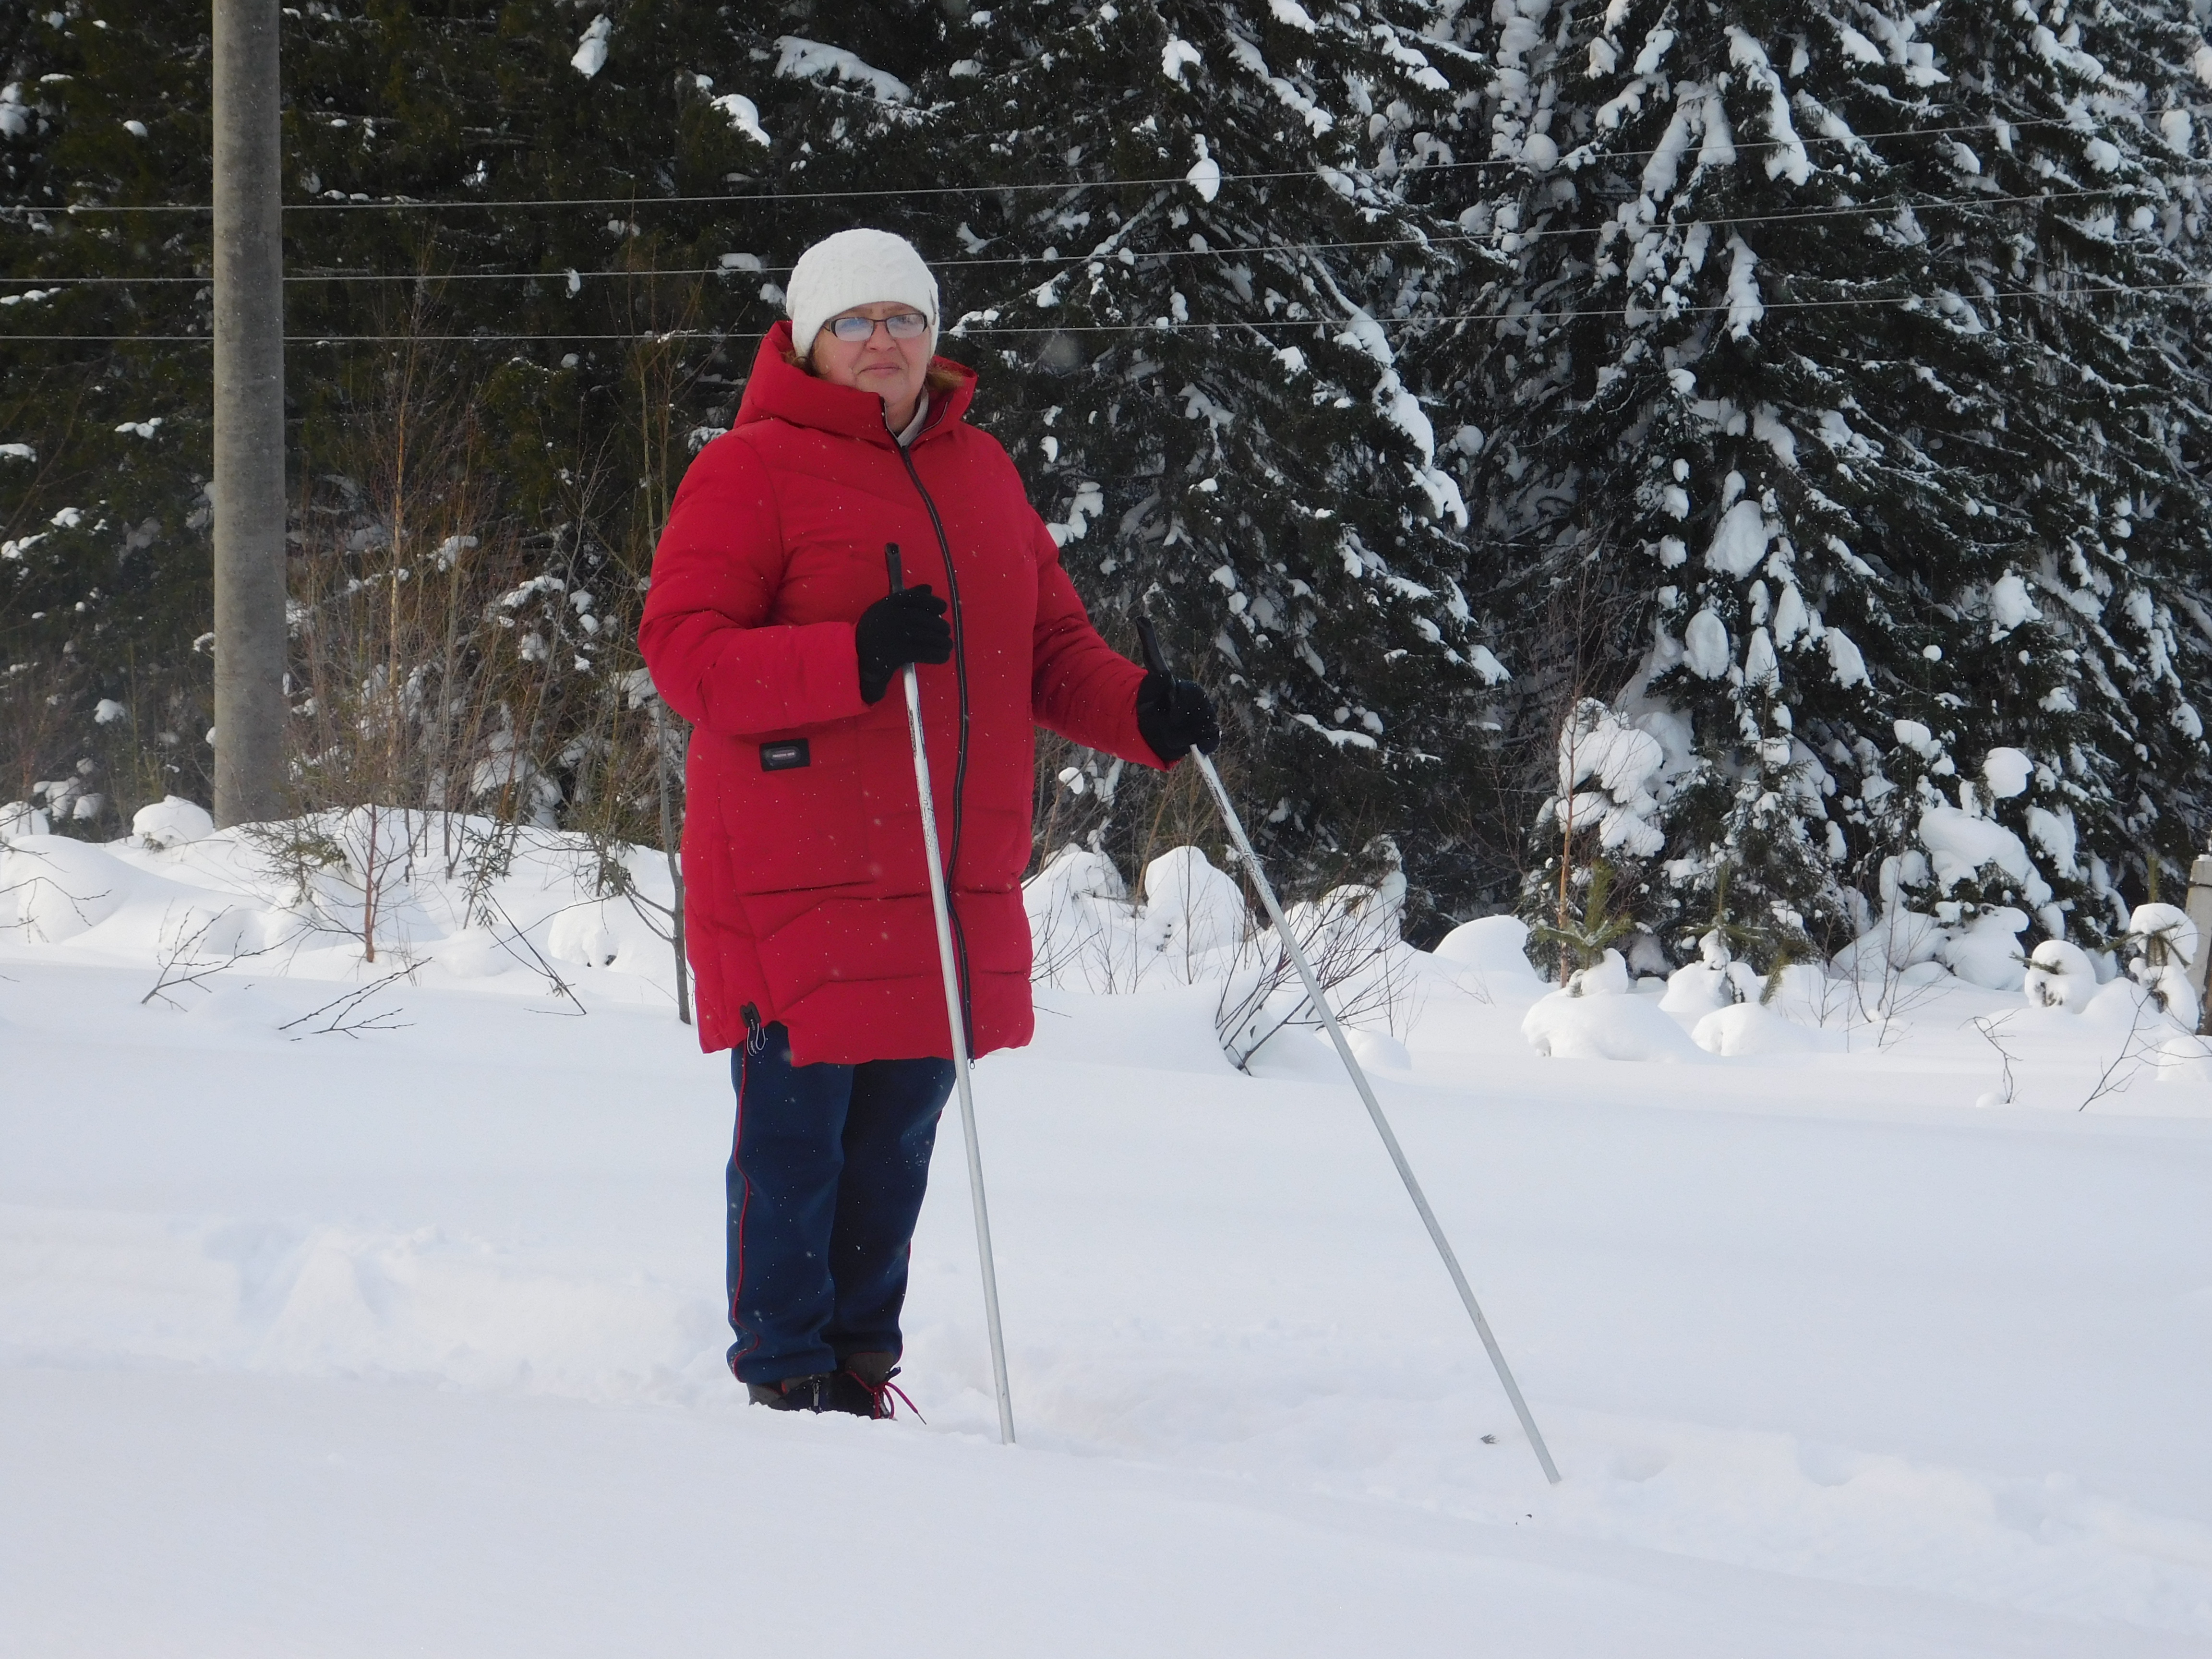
1173	715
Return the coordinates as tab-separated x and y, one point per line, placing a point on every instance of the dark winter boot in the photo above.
817	1392
865	1388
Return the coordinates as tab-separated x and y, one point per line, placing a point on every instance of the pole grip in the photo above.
1156	659
891	564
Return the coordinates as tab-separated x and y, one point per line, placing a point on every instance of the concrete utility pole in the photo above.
2200	912
249	415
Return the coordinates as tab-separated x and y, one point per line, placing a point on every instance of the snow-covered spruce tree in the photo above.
103	568
699	148
1850	348
1195	349
636	322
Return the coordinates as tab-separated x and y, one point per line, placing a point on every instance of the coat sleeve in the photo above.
1080	686
706	637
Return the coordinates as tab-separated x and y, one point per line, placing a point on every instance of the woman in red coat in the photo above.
771	628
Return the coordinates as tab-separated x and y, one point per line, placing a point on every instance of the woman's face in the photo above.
893	369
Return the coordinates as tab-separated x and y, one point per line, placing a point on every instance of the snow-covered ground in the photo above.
331	1329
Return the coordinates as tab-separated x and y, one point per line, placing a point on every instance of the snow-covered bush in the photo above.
1192	926
1350	938
2163	942
1597	1017
1076	904
1986	949
2060	976
171	822
1606	978
1193	913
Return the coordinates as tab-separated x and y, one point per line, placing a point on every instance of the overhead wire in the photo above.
887	193
966	329
1738	221
1232	251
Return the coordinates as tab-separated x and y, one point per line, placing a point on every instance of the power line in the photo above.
965	329
1232	250
890	192
1899	300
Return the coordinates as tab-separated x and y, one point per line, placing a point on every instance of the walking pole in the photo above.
1156	660
956	1022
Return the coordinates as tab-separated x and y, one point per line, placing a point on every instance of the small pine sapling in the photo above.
1581	942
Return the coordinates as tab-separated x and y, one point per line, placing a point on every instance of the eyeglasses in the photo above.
900	325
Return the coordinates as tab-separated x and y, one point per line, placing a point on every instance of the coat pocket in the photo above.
793	812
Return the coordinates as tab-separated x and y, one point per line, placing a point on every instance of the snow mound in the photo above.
1750	1028
1192	909
1087	933
171	821
1696	991
2060	976
52	888
475	953
2165	930
1986	951
1565	1026
2120	1006
2183	1060
1378	1051
1494	947
1606	978
440	896
1897	939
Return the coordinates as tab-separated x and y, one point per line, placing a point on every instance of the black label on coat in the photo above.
783	757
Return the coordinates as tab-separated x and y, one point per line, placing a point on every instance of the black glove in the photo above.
908	626
1172	715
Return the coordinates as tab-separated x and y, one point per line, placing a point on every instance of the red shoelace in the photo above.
881	1394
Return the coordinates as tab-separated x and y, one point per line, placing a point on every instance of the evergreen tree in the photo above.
564	306
1844	353
603	202
1808	368
1196	349
103	573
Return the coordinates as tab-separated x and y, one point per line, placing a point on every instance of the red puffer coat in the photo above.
807	892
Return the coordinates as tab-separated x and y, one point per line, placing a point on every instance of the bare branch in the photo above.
346	1018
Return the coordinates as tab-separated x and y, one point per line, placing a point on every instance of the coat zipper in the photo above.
960	762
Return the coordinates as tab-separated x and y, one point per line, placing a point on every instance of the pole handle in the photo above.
1148	637
891	564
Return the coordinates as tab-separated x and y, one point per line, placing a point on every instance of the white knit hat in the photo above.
856	267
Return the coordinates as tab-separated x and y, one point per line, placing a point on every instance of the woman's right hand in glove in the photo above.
908	626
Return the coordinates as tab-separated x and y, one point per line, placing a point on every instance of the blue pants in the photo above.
826	1176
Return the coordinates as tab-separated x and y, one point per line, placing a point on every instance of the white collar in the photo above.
913	427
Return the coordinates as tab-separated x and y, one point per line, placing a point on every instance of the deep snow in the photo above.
314	1343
